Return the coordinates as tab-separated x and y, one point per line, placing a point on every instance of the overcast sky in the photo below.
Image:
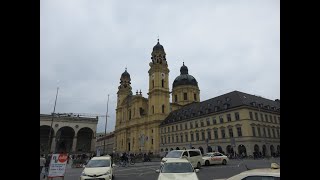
85	45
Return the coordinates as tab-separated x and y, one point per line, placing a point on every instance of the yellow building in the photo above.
225	123
235	122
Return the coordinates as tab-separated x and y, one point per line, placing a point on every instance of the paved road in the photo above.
146	171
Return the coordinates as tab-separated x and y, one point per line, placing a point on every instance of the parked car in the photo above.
194	156
177	169
98	168
215	158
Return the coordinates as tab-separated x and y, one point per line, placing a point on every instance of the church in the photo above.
155	124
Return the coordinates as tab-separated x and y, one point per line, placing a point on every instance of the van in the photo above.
194	156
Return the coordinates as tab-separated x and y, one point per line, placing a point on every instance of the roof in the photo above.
174	160
221	103
101	157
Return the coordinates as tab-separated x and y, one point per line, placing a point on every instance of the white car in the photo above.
194	156
177	169
272	173
98	168
215	158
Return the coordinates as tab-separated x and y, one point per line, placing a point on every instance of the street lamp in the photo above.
105	129
54	109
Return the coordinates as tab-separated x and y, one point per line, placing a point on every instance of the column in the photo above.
53	144
93	144
74	144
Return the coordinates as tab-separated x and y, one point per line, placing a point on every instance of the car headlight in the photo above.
107	173
83	174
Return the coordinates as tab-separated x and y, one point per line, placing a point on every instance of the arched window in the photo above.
163	108
162	83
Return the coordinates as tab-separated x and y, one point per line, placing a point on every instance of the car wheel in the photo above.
207	163
198	165
224	162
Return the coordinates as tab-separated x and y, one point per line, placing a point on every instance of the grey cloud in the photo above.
227	45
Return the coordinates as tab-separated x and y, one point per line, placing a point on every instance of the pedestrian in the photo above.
42	162
46	166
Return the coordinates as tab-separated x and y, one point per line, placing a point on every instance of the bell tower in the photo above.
124	90
159	97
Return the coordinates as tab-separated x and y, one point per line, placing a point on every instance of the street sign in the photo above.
57	167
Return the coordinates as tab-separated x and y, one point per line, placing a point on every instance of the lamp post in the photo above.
54	109
105	129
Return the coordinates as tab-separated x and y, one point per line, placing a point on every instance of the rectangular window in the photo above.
172	128
214	121
259	132
239	131
261	116
196	124
202	123
195	96
269	135
270	118
180	126
264	132
209	134
191	125
208	122
162	108
216	134
175	98
186	136
256	115
177	139
278	133
185	126
279	119
266	116
151	141
228	117
181	138
172	139
221	119
168	129
223	134
162	83
197	136
251	116
253	131
237	116
192	138
168	139
273	133
230	132
185	97
202	136
161	140
275	119
177	129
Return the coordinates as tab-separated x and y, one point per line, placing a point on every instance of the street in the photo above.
146	171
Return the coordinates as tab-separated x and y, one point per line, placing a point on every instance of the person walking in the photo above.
42	162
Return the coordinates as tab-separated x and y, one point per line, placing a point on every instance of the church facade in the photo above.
155	124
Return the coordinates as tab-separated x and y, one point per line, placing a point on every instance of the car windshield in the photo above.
208	155
98	163
174	154
179	167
